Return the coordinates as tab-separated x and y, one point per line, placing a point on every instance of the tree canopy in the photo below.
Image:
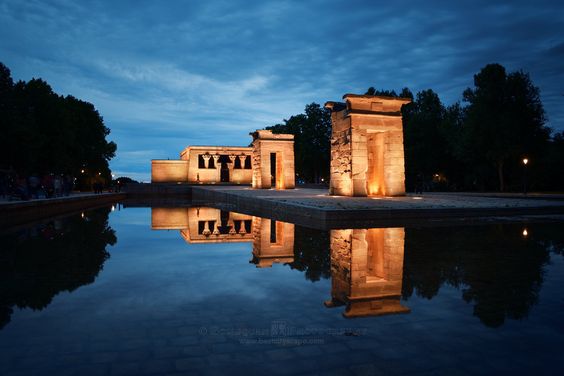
312	131
504	120
43	132
478	144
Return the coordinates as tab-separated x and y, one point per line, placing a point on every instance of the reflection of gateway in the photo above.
367	271
273	241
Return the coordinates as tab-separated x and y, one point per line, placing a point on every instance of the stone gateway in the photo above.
367	157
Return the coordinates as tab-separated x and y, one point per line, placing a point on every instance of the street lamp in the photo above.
525	162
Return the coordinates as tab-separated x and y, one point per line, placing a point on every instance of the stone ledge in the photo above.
312	208
15	213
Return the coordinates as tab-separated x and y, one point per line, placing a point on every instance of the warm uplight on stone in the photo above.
367	156
367	271
268	163
205	164
273	160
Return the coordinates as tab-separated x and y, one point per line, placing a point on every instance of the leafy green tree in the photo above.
504	121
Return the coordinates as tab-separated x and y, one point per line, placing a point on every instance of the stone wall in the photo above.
264	144
367	156
212	153
166	171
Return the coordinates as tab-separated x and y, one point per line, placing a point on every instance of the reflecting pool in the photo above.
199	290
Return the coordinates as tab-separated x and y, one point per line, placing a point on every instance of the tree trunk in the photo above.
500	175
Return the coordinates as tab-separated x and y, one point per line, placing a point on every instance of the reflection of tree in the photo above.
311	253
498	269
62	255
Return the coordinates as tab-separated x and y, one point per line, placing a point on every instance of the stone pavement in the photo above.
308	205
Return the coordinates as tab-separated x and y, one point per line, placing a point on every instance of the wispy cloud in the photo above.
164	76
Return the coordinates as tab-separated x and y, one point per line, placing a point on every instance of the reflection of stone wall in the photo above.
169	218
273	241
269	247
265	143
367	271
341	241
367	146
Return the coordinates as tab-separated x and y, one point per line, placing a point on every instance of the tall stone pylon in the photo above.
367	155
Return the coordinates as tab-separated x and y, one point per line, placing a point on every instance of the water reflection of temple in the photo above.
366	265
367	271
273	241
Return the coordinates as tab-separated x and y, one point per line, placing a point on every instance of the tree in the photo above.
404	93
504	120
43	132
312	131
425	138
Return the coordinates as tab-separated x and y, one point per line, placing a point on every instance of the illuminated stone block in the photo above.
216	164
367	146
166	171
273	160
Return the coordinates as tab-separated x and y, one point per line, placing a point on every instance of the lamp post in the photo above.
525	162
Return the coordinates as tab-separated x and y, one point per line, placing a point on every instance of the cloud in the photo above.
210	72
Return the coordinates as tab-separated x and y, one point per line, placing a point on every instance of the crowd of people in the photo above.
19	187
14	186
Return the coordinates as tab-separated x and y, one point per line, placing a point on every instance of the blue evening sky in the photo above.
167	74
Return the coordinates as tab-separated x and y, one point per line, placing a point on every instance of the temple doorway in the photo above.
273	170
375	183
224	173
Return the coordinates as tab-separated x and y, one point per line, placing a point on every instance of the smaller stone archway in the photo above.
273	160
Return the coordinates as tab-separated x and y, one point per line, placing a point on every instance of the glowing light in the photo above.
113	208
82	171
525	233
99	173
525	161
376	198
82	215
417	198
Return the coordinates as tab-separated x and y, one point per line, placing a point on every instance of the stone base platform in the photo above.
315	208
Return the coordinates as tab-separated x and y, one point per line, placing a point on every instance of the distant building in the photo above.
268	163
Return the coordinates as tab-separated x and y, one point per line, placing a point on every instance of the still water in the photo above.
204	291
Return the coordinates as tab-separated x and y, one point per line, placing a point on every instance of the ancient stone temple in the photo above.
268	163
367	156
273	241
367	271
273	160
205	165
